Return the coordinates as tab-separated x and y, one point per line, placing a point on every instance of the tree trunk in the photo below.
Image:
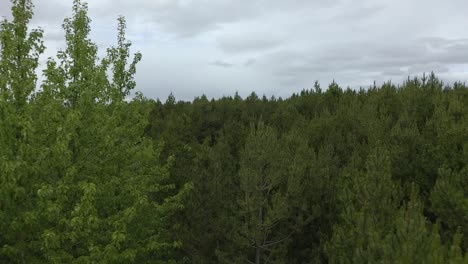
258	253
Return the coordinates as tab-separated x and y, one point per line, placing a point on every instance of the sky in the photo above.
272	47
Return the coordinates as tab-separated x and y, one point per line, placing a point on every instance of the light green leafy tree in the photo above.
20	49
96	190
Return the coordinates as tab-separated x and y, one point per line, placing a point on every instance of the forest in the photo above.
327	175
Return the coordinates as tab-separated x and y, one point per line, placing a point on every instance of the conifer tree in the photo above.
263	204
209	215
449	201
415	240
368	202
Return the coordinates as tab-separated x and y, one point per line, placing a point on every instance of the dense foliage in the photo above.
79	180
378	175
338	176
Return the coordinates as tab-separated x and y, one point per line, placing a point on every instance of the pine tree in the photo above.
413	238
311	196
263	205
210	211
368	202
450	202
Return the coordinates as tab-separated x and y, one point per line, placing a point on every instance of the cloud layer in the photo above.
275	47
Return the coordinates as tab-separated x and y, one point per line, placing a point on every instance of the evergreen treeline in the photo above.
339	176
336	175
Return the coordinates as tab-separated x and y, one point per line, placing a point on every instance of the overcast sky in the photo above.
273	47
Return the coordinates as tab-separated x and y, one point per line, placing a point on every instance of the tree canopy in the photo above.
89	174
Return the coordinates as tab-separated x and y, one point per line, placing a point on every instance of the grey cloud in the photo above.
183	18
393	71
51	11
221	63
5	8
278	45
194	17
54	34
250	62
421	68
297	5
367	59
360	13
251	42
434	42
